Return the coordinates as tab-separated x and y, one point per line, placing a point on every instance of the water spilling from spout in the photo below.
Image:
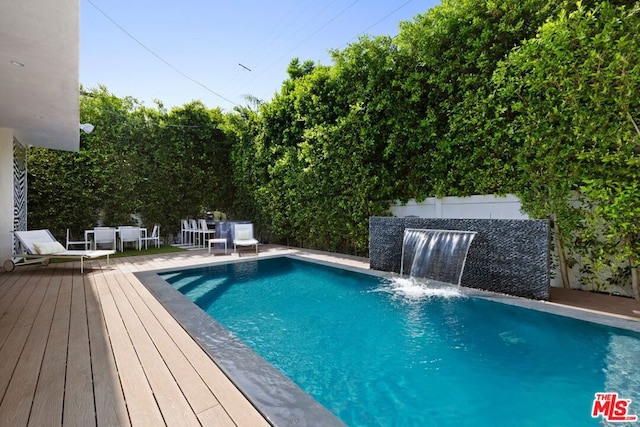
437	255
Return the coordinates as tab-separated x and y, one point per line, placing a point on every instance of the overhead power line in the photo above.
307	38
383	18
268	48
363	32
322	27
159	57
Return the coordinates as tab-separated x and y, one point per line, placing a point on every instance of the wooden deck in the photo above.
621	307
98	349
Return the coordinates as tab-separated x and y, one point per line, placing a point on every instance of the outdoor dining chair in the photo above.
154	237
204	231
105	236
187	232
129	234
70	242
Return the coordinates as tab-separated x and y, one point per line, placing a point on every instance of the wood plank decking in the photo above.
97	349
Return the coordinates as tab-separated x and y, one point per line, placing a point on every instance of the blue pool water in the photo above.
381	353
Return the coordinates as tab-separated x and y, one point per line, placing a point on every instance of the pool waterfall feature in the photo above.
506	256
437	255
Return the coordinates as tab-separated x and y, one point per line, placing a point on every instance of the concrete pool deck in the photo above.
98	348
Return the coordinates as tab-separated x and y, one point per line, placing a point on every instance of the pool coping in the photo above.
275	396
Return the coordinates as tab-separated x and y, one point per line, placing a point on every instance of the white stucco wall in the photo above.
6	193
479	207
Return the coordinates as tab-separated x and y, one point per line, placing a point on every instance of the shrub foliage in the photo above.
535	97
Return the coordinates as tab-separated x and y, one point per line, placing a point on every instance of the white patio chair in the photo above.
205	232
187	232
198	233
155	237
83	243
129	234
104	236
243	236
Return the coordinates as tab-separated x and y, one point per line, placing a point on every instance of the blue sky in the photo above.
207	40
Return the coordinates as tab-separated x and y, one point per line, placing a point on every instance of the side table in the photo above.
214	241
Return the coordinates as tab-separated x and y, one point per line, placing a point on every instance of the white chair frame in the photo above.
188	232
205	232
84	243
154	237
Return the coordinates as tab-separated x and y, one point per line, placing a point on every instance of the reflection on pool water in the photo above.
377	352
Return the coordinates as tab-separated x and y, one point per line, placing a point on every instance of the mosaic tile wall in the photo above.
506	256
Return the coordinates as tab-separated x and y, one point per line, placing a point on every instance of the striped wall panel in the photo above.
19	189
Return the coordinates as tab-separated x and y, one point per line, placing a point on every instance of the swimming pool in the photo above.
376	356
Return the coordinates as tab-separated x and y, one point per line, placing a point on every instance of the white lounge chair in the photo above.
40	246
243	236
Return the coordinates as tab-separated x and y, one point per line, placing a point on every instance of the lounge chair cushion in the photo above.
243	235
44	248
